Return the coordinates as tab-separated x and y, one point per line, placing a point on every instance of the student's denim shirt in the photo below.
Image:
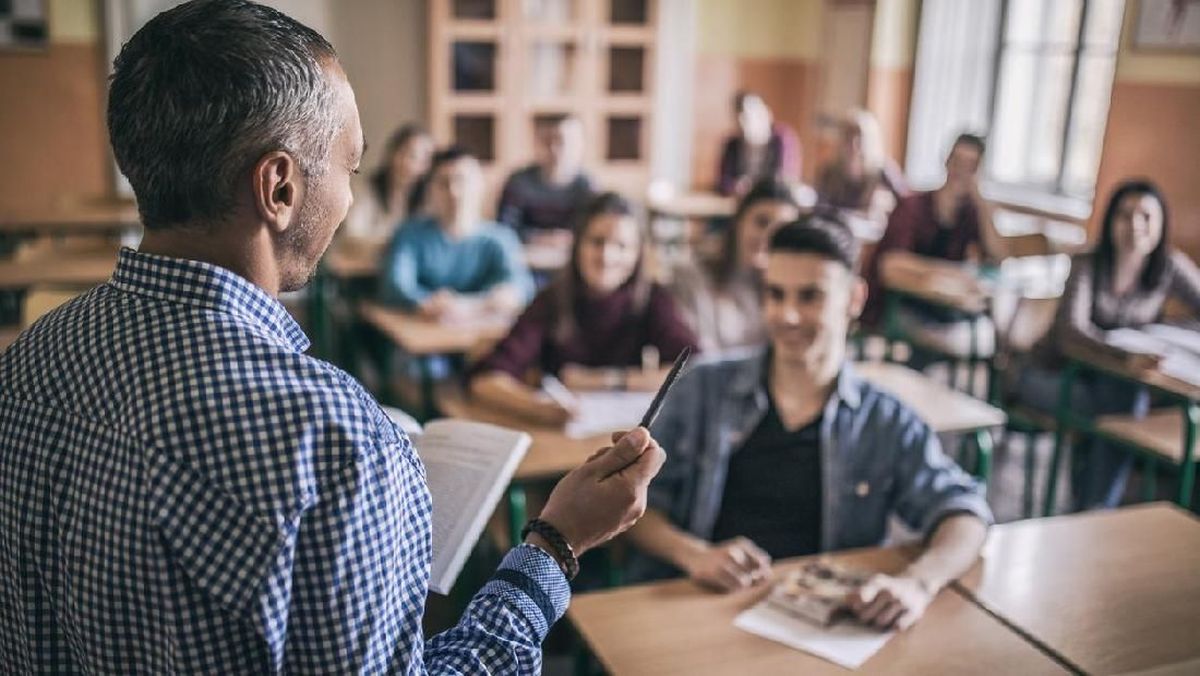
877	458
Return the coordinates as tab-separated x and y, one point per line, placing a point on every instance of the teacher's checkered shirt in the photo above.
182	490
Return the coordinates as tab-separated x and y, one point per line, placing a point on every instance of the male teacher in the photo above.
182	490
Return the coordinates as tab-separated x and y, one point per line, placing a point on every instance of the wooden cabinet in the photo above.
497	66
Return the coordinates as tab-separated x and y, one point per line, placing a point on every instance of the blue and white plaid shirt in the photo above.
182	490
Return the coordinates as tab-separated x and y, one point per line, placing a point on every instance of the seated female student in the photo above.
454	264
380	209
761	148
591	325
861	177
721	298
1122	284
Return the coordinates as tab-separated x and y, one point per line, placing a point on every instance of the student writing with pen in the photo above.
591	326
787	453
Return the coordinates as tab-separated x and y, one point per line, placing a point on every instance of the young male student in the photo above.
453	263
952	223
542	199
182	489
786	452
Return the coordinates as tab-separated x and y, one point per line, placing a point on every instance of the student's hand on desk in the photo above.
730	565
638	380
891	602
437	305
606	495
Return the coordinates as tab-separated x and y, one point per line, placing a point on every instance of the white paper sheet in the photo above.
845	644
607	412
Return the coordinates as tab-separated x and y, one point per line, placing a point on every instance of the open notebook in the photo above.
467	466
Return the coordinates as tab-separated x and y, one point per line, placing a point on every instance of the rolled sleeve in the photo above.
931	485
530	580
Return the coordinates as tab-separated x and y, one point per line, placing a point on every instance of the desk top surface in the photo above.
676	627
1112	592
551	454
944	409
422	337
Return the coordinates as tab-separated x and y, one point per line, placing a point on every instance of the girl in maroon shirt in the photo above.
591	325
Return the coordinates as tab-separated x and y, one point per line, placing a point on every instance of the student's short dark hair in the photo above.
822	233
203	91
446	156
973	140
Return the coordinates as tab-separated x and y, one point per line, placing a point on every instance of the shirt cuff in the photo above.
530	580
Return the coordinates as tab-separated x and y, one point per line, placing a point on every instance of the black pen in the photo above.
656	405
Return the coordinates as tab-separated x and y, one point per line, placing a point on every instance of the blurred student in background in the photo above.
592	326
452	263
761	148
861	178
950	224
1124	283
720	297
384	205
540	200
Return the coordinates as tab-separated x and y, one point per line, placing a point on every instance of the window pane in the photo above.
625	68
1086	135
1031	107
629	11
475	9
476	133
474	65
624	138
1103	27
548	11
1039	22
551	69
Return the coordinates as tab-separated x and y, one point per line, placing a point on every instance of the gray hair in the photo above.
203	91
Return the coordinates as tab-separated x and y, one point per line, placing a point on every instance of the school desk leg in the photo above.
516	512
427	404
1030	466
983	461
1062	417
1149	479
1187	470
891	328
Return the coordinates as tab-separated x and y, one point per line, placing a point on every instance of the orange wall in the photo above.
785	84
1154	130
889	94
52	126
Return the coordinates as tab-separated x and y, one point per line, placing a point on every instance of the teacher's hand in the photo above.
607	494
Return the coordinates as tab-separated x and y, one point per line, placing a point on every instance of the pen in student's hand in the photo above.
661	396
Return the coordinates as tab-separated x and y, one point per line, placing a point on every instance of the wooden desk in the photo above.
91	219
1111	592
944	409
1150	438
423	337
552	453
74	271
677	628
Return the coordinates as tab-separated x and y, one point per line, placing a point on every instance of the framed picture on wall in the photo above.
24	24
1167	25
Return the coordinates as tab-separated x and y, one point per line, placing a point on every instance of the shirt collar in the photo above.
750	381
209	286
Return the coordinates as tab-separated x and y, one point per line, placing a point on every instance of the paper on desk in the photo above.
607	412
1178	348
845	644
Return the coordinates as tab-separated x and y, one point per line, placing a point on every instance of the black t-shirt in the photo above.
773	491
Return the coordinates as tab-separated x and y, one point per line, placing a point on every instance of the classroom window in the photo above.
1034	76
